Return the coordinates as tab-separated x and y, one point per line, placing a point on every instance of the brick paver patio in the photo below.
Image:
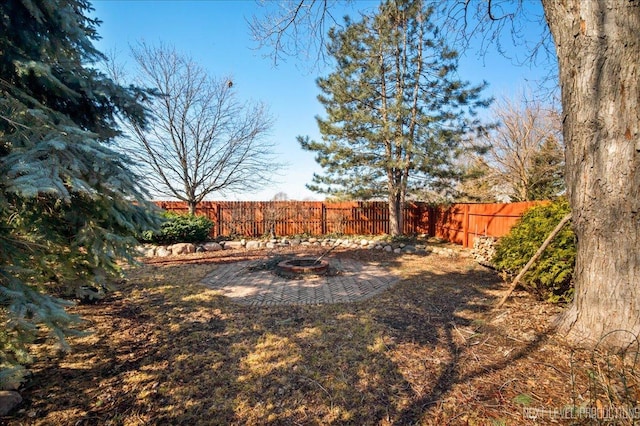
356	281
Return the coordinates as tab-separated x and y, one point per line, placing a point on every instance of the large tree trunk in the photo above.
193	205
598	48
395	214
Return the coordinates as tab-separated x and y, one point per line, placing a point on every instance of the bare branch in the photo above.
526	150
505	25
202	139
294	28
298	28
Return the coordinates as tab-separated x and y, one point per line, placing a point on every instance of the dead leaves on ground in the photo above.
165	350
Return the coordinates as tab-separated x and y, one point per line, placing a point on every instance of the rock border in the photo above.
150	250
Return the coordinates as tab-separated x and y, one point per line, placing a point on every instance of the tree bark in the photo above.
598	48
395	214
192	207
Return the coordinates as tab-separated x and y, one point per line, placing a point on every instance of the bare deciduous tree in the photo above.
295	27
275	211
203	139
525	154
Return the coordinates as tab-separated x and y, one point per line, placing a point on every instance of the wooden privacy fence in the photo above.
461	223
458	223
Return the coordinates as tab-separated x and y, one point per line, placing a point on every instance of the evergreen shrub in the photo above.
550	278
179	228
70	205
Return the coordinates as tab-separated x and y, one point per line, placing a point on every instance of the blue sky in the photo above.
216	35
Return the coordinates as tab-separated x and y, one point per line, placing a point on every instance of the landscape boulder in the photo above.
163	252
8	401
230	245
182	248
146	250
254	245
212	246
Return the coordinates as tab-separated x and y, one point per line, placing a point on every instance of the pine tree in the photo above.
396	115
69	207
547	171
478	184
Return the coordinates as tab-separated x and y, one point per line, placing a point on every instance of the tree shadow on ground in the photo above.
438	309
167	351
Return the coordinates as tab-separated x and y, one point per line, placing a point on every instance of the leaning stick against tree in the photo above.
535	257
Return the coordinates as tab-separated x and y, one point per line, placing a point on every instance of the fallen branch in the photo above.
535	257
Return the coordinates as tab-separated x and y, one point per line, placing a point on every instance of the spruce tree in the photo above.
69	207
396	114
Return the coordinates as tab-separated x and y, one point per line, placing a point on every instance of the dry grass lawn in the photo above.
166	350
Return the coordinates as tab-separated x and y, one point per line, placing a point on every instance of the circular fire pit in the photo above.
301	267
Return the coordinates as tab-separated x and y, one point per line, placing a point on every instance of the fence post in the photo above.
465	226
218	220
323	219
431	218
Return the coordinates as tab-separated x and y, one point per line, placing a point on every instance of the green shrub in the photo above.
550	278
179	228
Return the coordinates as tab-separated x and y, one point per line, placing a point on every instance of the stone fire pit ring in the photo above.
304	266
